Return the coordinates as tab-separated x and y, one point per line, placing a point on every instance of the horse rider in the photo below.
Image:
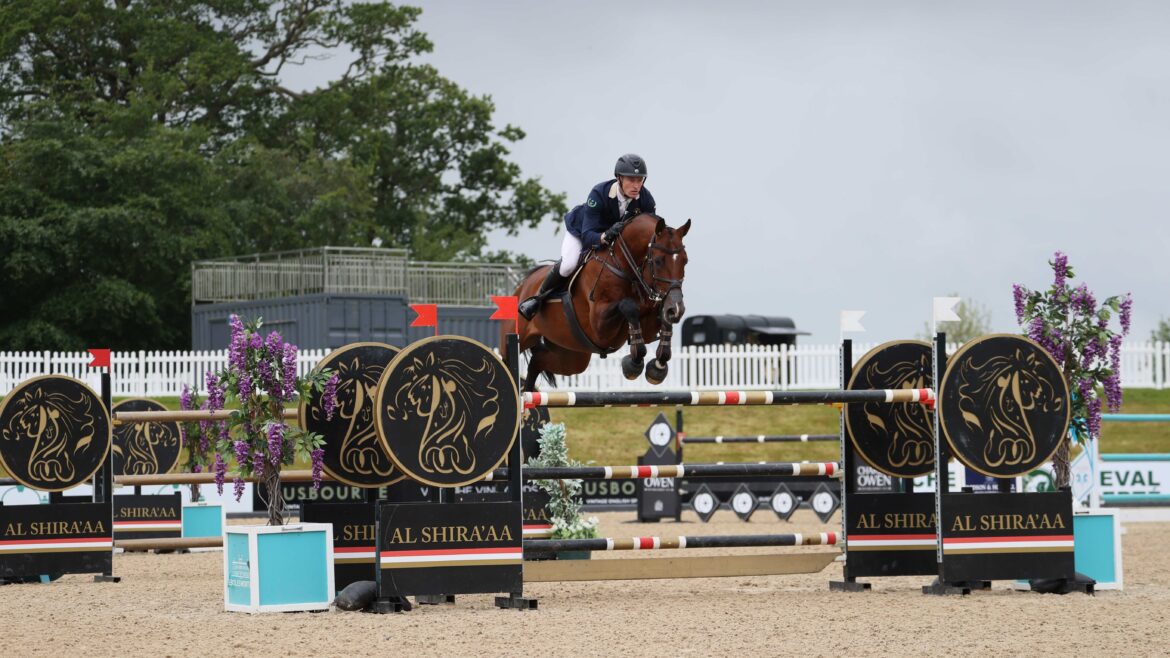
596	223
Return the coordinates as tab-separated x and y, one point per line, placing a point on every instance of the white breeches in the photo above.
570	253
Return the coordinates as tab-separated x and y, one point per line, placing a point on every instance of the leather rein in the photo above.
647	291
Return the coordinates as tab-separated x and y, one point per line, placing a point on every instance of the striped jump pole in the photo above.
672	471
127	417
660	543
722	398
760	438
300	475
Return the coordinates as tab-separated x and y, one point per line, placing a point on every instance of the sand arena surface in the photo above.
172	605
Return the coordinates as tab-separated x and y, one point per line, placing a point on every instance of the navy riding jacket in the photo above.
600	211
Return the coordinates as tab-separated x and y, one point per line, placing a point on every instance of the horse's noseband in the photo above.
639	274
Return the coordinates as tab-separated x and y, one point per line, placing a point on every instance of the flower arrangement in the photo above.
261	376
564	495
1071	326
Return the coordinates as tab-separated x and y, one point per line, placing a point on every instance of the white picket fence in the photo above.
747	367
146	374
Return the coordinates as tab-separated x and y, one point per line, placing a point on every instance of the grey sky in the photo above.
849	155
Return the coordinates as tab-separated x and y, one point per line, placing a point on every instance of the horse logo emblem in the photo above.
353	454
145	448
896	439
448	411
1004	405
54	433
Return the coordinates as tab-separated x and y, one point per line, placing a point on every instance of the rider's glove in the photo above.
611	233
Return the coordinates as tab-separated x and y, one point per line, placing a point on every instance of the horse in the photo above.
625	291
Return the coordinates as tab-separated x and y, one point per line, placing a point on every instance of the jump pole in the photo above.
760	438
722	398
782	469
125	417
558	545
662	543
718	566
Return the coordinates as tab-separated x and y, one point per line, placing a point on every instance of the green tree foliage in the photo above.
138	135
1161	331
974	321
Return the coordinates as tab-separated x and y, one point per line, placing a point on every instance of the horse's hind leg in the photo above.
537	356
633	363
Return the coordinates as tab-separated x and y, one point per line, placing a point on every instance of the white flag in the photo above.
851	321
944	309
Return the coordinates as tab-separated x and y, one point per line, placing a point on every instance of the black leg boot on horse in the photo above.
552	282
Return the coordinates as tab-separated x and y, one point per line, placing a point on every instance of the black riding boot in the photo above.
552	282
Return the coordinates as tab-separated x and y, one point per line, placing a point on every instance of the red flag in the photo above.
101	358
506	308
428	315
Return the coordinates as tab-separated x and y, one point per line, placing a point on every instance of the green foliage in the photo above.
564	495
974	321
137	136
1162	331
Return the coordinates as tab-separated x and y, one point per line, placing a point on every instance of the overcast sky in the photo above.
849	155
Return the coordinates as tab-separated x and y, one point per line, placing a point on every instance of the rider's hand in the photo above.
611	234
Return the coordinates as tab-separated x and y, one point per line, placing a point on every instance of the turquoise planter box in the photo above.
1097	546
203	520
278	568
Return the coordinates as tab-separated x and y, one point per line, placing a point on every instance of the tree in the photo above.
1162	331
974	321
136	136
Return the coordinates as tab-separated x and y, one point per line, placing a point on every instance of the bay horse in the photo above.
630	290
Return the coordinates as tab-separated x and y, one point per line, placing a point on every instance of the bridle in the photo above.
638	274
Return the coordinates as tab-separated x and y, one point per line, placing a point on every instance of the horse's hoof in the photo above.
656	372
630	368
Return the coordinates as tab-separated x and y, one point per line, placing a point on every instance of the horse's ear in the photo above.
661	225
682	230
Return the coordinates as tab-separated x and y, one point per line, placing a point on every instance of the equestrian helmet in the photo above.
630	165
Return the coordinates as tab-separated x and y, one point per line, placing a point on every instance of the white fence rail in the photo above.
147	374
1144	365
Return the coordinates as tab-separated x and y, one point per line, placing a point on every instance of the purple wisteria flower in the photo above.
238	488
214	392
276	442
1126	313
245	386
241	448
1059	270
258	464
289	376
267	381
1083	300
1020	295
220	471
330	397
237	347
318	457
1113	393
186	405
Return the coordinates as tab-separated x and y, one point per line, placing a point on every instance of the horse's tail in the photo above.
550	378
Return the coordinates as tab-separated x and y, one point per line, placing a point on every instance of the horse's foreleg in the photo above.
633	363
656	370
